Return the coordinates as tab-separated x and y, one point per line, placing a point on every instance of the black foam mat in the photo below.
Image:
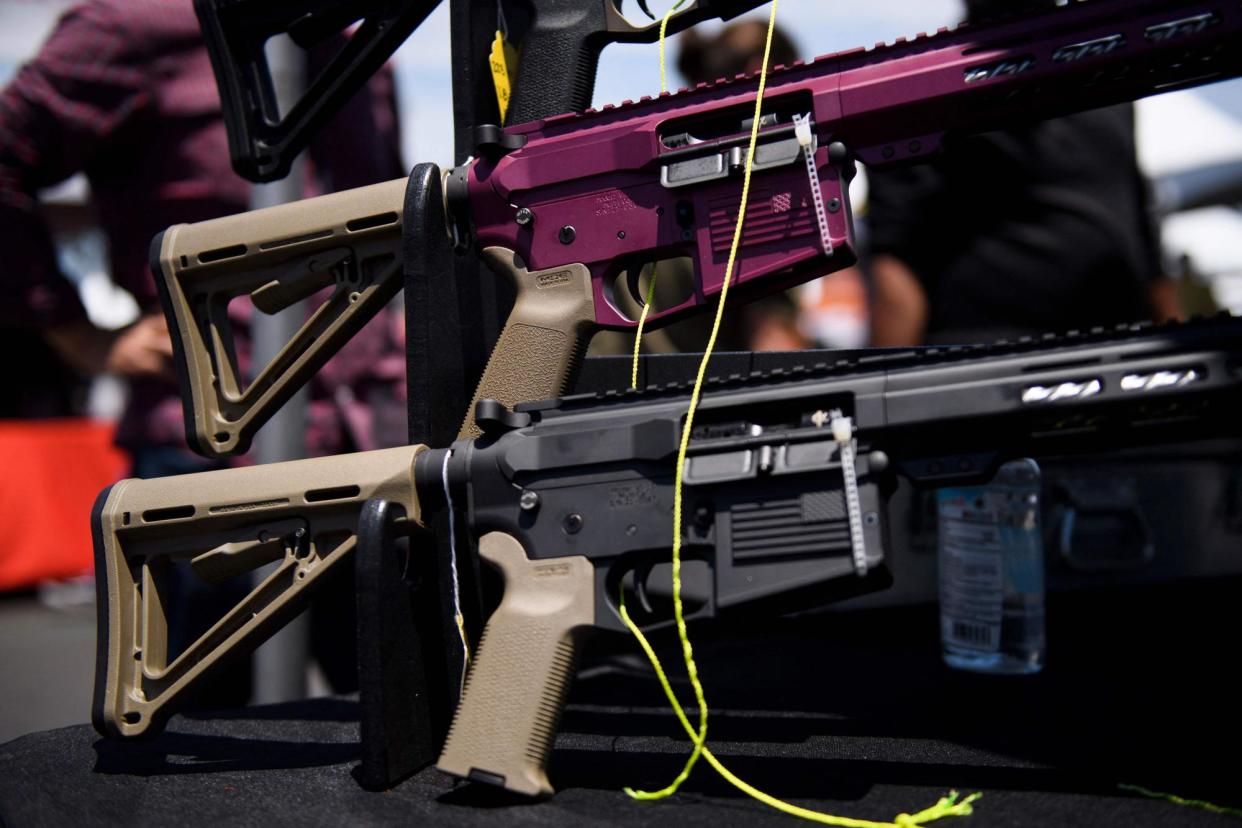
849	712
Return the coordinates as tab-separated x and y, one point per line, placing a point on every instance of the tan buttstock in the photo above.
278	255
504	727
302	515
544	338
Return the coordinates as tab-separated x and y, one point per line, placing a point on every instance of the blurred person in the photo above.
1040	227
123	91
833	311
738	47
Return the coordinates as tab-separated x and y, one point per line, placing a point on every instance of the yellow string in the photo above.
668	15
947	806
687	650
642	319
1177	800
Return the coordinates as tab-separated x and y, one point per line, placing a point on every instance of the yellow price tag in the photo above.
503	60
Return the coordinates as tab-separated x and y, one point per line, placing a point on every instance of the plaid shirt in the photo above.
123	91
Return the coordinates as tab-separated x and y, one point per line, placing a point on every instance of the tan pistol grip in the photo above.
349	241
301	515
504	727
544	338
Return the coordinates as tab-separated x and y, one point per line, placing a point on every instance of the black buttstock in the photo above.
262	142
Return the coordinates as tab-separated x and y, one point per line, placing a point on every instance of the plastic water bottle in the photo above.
992	573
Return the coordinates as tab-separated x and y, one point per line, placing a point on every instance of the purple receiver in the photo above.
661	177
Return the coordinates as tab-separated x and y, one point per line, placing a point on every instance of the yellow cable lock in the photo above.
642	318
948	805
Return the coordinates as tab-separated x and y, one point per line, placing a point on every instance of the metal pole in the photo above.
280	665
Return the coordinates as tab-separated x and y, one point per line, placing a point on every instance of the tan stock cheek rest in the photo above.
303	515
504	727
544	338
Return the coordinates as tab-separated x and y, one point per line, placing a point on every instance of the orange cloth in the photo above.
51	471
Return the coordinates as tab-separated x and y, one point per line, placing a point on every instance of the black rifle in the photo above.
786	480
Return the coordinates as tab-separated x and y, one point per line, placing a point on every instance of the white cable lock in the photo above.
806	140
843	433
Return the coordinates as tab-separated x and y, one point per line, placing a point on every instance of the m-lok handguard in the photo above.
348	241
302	515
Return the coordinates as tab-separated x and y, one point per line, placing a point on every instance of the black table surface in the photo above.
849	712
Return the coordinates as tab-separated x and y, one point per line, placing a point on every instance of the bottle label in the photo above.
971	568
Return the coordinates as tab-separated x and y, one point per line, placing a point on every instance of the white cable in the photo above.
457	613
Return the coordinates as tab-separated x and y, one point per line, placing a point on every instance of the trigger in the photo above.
640	587
632	277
